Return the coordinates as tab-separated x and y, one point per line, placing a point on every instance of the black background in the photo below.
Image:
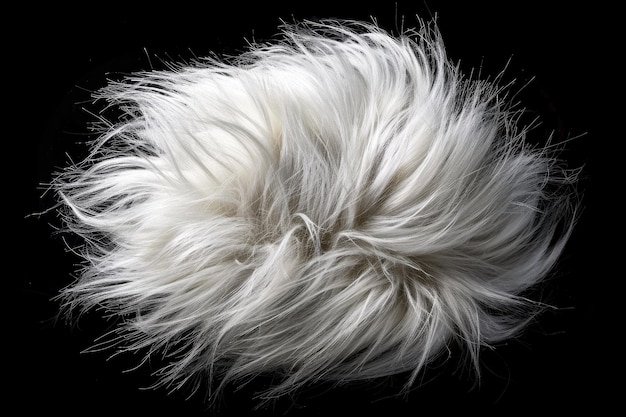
54	57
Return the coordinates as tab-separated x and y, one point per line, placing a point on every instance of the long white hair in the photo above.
341	204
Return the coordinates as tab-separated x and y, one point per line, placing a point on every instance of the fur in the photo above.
338	205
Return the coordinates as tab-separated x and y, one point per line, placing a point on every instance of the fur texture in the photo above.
339	205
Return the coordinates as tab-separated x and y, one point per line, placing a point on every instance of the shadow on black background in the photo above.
57	56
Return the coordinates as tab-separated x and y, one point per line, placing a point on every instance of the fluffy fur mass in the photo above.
339	205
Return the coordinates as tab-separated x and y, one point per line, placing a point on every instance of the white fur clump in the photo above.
336	206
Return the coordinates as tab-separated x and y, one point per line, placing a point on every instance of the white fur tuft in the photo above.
337	206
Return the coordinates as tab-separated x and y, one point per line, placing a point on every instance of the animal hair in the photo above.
337	205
